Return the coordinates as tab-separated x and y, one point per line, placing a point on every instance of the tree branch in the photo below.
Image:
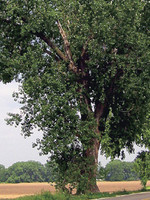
88	103
99	110
50	44
85	46
51	54
72	66
84	49
42	37
110	91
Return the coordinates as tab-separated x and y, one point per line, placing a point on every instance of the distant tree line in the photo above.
30	171
117	170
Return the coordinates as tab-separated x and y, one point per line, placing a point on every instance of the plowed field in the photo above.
16	190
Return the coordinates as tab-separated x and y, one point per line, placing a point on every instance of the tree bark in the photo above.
92	154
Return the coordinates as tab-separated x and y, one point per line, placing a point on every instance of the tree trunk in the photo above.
92	154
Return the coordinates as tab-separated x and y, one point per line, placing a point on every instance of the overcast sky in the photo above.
13	146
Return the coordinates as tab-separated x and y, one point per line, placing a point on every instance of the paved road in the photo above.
139	196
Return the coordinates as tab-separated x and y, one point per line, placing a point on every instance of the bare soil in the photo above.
10	191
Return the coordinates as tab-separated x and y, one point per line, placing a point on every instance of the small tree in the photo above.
142	167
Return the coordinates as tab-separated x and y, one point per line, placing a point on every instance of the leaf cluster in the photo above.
142	167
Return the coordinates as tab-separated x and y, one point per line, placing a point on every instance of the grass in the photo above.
59	196
148	188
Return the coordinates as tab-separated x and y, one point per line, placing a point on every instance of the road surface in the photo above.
138	196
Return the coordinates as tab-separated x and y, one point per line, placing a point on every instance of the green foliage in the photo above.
114	171
142	167
101	172
120	171
2	173
51	173
30	171
78	62
145	137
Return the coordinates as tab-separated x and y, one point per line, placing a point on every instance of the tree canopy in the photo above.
84	72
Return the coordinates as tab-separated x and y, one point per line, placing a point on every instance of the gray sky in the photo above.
13	146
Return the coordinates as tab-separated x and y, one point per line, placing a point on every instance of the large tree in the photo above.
84	72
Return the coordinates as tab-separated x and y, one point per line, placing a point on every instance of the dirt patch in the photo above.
10	191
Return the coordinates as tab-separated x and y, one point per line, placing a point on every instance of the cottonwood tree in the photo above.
83	67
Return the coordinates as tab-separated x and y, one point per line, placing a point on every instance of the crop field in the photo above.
10	191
